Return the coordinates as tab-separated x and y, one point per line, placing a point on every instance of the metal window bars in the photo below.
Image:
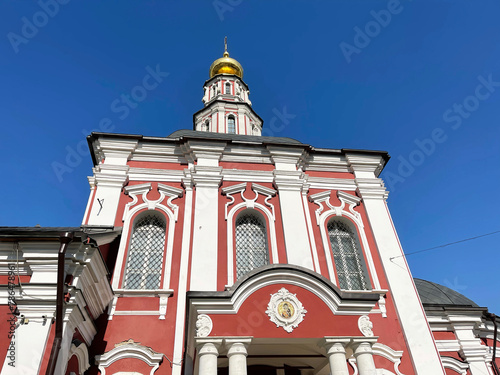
251	244
231	127
145	258
347	256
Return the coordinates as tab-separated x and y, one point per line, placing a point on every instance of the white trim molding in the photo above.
268	212
162	294
387	352
129	349
322	217
280	276
82	354
131	208
455	365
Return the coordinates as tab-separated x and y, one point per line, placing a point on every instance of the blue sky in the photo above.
420	79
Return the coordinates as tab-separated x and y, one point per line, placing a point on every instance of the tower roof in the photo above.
226	65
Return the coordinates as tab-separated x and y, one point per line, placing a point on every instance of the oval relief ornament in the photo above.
285	310
204	325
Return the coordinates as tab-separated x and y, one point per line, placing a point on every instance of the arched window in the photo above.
228	88
251	243
349	261
231	128
144	264
205	127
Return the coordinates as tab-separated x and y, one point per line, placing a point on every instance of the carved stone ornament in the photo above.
204	325
285	310
365	325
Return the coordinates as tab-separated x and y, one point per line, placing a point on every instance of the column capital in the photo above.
362	345
237	348
244	340
208	345
328	342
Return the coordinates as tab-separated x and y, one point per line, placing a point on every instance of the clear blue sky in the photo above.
355	74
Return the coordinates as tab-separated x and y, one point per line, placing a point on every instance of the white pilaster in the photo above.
471	348
207	178
110	177
28	346
289	182
424	354
181	295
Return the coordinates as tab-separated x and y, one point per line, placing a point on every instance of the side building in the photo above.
221	251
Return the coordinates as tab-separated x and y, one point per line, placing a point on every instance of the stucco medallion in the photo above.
365	325
204	325
285	310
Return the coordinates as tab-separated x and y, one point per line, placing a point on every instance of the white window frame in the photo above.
136	221
168	194
233	117
266	212
357	248
322	217
262	220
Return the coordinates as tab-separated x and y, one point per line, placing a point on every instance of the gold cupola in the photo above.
226	65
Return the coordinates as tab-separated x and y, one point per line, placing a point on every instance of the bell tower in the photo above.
228	108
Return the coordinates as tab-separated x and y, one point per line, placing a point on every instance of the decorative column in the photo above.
335	351
237	354
364	355
207	355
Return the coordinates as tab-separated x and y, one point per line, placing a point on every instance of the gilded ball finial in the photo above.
226	65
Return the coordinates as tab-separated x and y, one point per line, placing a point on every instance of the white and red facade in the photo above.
291	315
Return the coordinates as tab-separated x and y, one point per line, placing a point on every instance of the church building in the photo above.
219	250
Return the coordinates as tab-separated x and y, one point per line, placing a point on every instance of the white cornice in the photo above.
331	183
114	150
365	163
371	188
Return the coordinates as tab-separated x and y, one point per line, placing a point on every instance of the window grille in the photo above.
145	258
349	261
251	244
230	125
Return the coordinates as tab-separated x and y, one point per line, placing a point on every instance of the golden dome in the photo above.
226	65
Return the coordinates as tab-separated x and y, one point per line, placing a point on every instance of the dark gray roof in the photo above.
234	137
6	231
101	234
435	294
